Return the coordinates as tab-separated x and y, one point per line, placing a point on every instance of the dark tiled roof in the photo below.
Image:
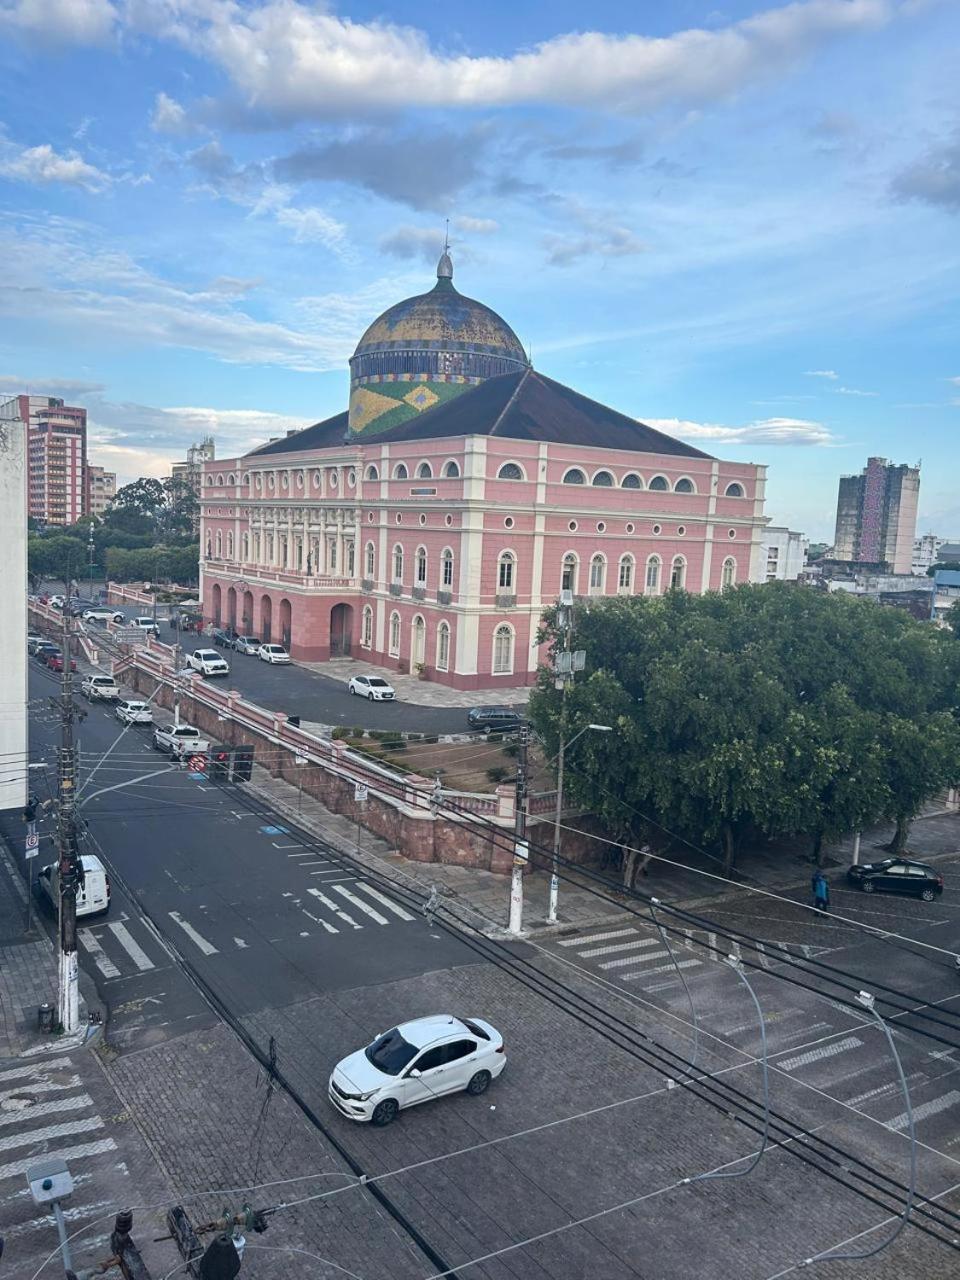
320	436
528	406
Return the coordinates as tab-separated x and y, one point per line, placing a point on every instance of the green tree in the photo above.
145	496
953	618
55	556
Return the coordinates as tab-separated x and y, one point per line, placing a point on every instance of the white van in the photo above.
93	896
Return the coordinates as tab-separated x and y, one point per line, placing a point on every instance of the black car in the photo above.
494	719
898	875
223	639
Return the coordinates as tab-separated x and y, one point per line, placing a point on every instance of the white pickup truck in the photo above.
104	687
208	662
180	740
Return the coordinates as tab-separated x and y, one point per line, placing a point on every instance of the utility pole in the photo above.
521	851
564	677
90	551
70	868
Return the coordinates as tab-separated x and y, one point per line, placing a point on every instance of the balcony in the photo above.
396	588
444	597
419	593
266	574
366	584
506	601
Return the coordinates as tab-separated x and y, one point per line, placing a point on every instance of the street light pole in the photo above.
564	748
69	868
521	852
90	552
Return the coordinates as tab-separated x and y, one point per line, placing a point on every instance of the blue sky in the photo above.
740	223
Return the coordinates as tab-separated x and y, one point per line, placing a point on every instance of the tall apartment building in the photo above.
192	469
783	555
877	515
926	550
101	489
56	458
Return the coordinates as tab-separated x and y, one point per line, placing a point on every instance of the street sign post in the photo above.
32	842
197	764
360	792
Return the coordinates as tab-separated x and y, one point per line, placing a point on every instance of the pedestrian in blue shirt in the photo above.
821	891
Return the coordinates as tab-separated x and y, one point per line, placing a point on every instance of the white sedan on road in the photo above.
273	653
132	711
373	687
416	1062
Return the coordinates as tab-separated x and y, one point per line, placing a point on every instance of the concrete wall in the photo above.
13	592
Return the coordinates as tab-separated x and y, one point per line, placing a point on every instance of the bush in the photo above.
497	773
512	750
340	732
357	732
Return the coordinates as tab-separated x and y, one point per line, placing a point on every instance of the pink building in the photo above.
430	526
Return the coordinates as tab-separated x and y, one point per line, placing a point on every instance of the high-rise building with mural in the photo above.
56	458
877	515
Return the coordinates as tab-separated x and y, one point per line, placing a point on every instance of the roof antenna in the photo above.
446	236
445	266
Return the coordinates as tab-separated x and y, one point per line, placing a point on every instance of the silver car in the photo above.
131	711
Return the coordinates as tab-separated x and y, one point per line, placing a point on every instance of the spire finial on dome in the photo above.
445	265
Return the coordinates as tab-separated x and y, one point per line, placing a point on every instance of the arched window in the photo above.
568	573
446	568
371	473
220	480
209	548
418	641
231	478
603	480
209	482
733	490
451	471
574	476
503	650
229	546
424	471
598	573
400	472
245	546
505	568
398	563
394	635
631	481
625	579
684	486
369	561
443	646
652	582
728	574
351	557
678	574
219	544
659	484
510	471
421	567
366	628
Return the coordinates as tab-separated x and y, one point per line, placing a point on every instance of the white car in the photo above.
208	662
33	639
415	1062
103	614
145	624
373	687
103	687
93	896
180	740
131	711
273	653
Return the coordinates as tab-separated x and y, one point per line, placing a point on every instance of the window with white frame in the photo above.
366	628
659	484
451	471
728	574
245	545
370	560
574	476
631	481
505	571
219	544
424	471
625	577
400	472
398	563
446	568
371	473
652	580
298	560
684	486
443	646
510	471
394	635
678	574
332	555
209	547
421	566
503	650
603	480
568	573
733	490
229	546
269	548
351	555
598	572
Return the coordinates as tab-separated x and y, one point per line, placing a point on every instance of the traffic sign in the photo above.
360	792
197	764
32	844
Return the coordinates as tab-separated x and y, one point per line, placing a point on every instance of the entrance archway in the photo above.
266	619
216	604
341	630
419	647
232	609
247	613
285	623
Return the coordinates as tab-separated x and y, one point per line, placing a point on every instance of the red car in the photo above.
55	662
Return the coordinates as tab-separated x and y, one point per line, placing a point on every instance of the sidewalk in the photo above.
422	693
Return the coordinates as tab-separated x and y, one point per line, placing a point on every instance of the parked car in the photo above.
416	1062
223	639
132	711
93	895
180	740
76	607
247	644
273	653
102	687
897	875
146	625
43	650
55	661
373	687
56	602
494	719
102	613
33	639
208	662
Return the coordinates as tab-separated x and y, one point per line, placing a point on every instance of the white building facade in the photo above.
13	586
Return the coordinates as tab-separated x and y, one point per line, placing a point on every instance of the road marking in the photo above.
97	954
274	831
240	943
76	1103
192	934
926	1109
619	946
764	958
55	1131
34	1068
332	878
594	937
328	902
384	900
285	846
132	948
316	919
624	960
43	1222
661	968
712	944
84	1149
42	1086
817	1055
352	898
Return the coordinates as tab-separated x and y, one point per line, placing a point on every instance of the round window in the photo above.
370	516
334	479
508	522
656	528
399	518
299	479
600	526
423	518
448	520
351	479
681	530
272	482
630	528
285	481
731	533
572	526
316	479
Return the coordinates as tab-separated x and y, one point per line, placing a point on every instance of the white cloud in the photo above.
312	225
769	431
955	381
60	21
822	373
41	166
301	60
476	226
169	116
604	242
853	391
423	243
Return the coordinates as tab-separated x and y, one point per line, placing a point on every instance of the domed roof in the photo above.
442	320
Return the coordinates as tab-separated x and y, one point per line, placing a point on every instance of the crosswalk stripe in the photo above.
206	947
79	1152
816	1055
35	1068
50	1131
368	910
932	1108
764	958
47	1109
384	900
328	902
625	960
594	937
618	946
317	920
661	968
712	944
132	948
42	1086
71	1213
97	954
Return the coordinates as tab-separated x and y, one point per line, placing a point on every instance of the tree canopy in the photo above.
767	710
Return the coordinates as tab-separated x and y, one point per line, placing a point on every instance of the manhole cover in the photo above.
17	1102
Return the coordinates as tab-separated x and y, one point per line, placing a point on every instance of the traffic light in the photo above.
30	808
220	764
242	764
221	1260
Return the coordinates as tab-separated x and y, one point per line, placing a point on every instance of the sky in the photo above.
740	224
